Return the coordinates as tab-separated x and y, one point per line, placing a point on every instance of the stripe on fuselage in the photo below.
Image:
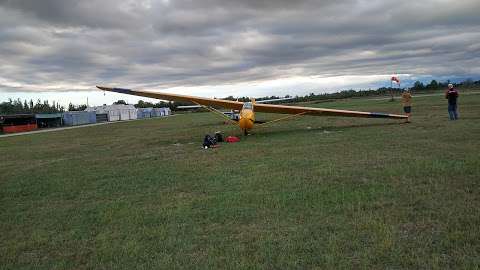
379	115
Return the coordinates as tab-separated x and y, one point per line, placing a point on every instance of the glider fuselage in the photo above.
246	117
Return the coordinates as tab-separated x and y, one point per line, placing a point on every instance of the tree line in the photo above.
17	106
146	104
417	87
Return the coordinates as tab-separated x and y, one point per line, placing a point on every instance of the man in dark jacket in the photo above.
452	96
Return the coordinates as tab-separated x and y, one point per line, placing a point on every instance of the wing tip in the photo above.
102	87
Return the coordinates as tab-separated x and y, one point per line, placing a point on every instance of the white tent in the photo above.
116	112
158	112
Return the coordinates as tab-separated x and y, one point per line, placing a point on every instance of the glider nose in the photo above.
246	123
247	119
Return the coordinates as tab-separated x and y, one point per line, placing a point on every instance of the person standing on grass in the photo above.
407	103
452	95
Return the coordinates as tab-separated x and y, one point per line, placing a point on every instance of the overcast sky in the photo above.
61	49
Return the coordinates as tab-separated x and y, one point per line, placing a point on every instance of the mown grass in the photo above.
311	193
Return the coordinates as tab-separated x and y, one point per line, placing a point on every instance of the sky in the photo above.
60	49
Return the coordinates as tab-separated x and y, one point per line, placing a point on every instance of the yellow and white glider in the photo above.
248	109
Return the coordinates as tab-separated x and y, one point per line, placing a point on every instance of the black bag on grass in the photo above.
218	137
208	141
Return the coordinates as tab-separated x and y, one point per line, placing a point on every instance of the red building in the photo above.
17	123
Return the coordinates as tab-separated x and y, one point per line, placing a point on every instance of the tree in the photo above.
433	85
18	107
118	102
73	108
468	82
140	104
418	85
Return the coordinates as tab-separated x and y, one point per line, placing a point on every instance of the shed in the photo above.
158	112
167	111
144	113
79	118
17	123
47	120
101	117
115	112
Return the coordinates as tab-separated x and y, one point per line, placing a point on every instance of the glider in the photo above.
247	110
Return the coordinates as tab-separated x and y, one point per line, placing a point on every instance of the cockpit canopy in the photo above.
248	106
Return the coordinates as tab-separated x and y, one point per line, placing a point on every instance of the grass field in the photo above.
311	193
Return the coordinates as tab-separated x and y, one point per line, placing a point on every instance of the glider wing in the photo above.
234	105
269	108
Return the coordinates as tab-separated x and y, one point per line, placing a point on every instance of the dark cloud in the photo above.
168	43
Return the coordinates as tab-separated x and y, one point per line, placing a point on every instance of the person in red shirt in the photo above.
452	95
